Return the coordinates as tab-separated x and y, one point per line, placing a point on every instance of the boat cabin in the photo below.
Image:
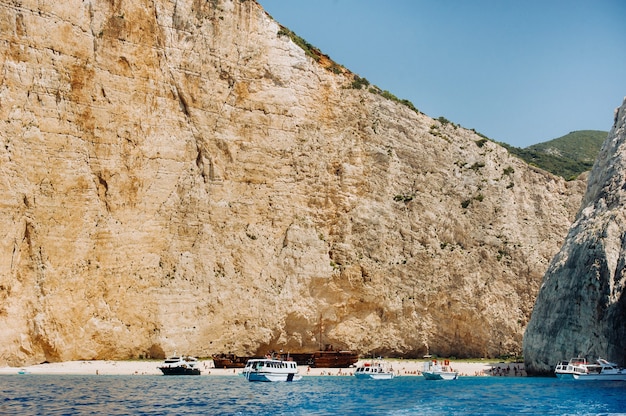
261	363
368	369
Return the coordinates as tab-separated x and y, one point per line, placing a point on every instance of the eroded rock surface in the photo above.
581	307
182	176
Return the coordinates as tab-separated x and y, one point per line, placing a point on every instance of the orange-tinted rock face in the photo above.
181	176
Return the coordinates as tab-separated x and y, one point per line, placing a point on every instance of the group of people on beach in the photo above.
506	371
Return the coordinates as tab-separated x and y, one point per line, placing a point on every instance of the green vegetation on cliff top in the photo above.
567	156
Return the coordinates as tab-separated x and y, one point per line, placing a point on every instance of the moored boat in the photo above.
180	366
374	370
435	371
271	369
565	369
579	369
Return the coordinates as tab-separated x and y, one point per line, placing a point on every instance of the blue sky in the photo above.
517	71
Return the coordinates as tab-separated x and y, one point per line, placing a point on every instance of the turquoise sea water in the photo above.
232	395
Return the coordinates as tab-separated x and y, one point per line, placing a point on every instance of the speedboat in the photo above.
180	366
435	371
579	369
376	371
271	369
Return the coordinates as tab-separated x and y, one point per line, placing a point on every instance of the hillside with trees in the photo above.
567	156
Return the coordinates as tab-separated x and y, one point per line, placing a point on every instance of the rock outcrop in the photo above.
581	307
182	176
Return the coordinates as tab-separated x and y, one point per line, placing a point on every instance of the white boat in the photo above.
579	369
435	371
565	369
180	366
374	370
270	369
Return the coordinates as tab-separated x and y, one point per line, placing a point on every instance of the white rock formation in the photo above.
581	307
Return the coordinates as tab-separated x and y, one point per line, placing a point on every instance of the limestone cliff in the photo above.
581	307
182	176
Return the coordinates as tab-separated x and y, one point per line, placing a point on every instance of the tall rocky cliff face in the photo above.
581	307
182	176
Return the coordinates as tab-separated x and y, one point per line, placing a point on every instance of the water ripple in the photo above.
313	396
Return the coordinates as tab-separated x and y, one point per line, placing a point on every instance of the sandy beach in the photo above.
149	367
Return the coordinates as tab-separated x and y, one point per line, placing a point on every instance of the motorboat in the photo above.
374	370
565	369
579	369
179	365
434	370
271	369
